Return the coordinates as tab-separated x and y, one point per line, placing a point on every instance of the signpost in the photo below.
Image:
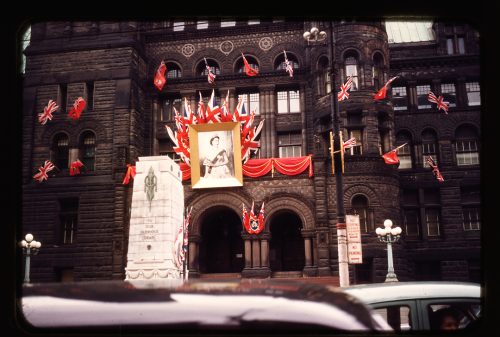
354	251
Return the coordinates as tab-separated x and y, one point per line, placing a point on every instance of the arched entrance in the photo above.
221	245
286	248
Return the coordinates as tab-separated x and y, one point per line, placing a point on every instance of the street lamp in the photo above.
315	35
389	235
30	247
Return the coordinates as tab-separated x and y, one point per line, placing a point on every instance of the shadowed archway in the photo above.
286	248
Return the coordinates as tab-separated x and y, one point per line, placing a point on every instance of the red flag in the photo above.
391	157
160	79
77	108
441	104
383	91
43	170
129	175
47	112
249	70
74	168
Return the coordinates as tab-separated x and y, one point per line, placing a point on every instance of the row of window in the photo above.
174	70
466	148
179	25
403	98
62	155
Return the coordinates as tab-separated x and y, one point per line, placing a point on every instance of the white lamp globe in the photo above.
29	237
388	223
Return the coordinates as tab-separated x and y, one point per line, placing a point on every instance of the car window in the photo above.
452	315
398	316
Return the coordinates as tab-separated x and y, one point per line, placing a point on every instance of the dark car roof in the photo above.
246	303
394	291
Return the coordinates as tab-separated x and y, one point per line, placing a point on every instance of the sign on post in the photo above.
354	252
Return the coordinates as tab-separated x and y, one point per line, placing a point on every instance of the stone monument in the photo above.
156	216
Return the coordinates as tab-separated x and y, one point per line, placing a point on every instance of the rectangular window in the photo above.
254	22
412	223
473	93
432	221
288	101
358	149
227	23
461	45
466	153
202	24
63	97
352	70
251	102
449	46
404	155
167	109
399	98
68	217
290	144
471	218
178	26
449	94
89	87
88	155
422	94
428	149
397	316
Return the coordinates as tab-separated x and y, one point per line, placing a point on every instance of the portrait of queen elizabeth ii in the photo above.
216	155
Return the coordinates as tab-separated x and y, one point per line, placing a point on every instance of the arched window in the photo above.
377	71
466	146
429	147
202	69
60	151
360	207
324	82
404	153
173	70
87	150
280	64
240	65
351	69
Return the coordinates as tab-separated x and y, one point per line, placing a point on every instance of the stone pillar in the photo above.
248	253
307	252
255	254
309	269
264	253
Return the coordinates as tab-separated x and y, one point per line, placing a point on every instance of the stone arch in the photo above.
347	50
370	194
293	203
96	127
381	53
208	53
407	131
467	124
448	130
174	57
294	49
204	201
427	128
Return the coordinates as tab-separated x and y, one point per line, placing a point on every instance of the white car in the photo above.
411	305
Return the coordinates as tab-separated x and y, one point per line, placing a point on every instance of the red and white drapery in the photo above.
255	168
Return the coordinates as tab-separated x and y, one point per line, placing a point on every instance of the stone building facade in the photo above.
82	221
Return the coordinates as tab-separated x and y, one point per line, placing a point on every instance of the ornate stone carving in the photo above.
226	47
265	43
187	50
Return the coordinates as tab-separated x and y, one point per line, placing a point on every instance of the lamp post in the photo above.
30	247
314	35
389	235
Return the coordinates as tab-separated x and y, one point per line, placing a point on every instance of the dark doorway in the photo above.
286	248
221	246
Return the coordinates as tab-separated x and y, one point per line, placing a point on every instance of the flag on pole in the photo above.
160	79
351	142
435	169
288	66
391	157
441	104
74	168
47	112
383	91
343	94
43	170
129	175
210	75
77	108
249	70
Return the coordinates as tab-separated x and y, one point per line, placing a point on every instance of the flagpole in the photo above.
334	109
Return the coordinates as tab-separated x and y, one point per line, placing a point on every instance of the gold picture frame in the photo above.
215	155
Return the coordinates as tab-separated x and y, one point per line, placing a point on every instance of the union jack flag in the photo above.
43	170
435	169
210	75
351	142
343	94
47	112
288	66
439	101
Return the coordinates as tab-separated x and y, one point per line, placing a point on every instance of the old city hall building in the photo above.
82	221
